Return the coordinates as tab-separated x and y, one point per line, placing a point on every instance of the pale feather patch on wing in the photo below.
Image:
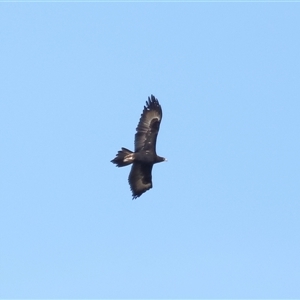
146	119
140	186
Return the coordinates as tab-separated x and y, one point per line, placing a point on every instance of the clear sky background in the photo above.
223	218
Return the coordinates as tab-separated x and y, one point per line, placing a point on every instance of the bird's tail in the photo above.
123	158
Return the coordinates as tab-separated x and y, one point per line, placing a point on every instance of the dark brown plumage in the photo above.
144	156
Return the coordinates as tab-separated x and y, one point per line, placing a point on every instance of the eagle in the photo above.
144	156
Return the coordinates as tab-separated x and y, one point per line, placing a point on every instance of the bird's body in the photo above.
144	156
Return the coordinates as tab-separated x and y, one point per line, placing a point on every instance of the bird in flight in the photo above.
144	156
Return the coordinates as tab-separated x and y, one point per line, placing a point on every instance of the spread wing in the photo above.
140	178
148	127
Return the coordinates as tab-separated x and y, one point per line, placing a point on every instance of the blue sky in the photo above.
222	220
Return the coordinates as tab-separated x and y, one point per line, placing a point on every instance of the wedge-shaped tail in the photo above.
123	158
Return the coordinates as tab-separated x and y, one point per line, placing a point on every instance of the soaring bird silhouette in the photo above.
144	156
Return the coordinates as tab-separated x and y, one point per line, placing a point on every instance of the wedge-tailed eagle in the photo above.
144	156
